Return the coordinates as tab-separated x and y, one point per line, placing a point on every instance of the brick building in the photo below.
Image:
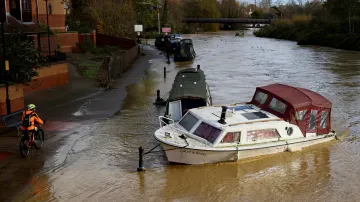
27	14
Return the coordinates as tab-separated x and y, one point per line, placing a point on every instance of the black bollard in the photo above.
164	72
168	54
198	67
142	51
158	95
141	166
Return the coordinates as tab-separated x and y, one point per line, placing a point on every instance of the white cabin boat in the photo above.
279	118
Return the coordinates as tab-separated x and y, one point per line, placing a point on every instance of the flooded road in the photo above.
100	165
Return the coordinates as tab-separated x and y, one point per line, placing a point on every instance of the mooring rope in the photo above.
151	150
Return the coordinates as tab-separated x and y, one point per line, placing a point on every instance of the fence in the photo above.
121	61
103	40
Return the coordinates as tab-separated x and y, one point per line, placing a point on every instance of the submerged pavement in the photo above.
72	111
97	160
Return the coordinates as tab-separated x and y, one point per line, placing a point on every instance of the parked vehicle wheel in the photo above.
24	149
39	139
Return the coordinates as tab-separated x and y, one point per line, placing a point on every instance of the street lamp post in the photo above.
158	10
48	27
5	69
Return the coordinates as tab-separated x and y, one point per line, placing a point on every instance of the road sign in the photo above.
166	29
138	28
7	65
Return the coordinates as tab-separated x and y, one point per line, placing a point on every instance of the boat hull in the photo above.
198	156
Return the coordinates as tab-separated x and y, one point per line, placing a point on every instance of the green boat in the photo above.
189	90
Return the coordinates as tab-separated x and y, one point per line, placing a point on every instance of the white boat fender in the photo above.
292	148
236	155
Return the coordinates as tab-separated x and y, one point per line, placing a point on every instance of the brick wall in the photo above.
33	11
16	95
7	6
91	35
49	77
56	21
67	42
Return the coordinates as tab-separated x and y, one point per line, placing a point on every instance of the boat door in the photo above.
175	110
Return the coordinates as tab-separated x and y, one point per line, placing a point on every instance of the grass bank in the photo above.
308	31
89	64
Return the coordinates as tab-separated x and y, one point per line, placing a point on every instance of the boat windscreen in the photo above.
207	132
188	121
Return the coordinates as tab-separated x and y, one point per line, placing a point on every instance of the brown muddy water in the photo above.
102	165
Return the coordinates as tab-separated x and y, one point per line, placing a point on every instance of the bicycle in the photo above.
36	139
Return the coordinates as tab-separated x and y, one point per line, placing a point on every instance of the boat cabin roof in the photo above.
235	115
297	97
189	83
296	105
186	41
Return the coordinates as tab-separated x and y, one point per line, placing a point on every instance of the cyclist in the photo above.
29	118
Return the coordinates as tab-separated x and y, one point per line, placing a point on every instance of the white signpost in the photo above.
138	29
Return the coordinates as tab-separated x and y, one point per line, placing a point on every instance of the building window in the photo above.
261	97
27	5
233	137
263	134
324	117
277	105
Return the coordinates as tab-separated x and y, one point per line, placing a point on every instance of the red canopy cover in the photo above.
305	108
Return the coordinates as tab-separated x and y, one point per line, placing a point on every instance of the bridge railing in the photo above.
227	20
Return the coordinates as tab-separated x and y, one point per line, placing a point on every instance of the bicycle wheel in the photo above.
24	149
39	139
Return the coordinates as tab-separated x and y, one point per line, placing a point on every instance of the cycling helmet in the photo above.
31	106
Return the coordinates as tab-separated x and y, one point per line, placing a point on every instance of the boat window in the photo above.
188	121
233	137
312	122
255	115
254	135
261	97
277	105
300	115
324	115
207	132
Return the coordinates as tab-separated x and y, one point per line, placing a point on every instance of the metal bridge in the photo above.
227	20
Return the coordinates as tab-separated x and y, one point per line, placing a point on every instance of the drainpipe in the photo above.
21	11
6	12
48	27
37	11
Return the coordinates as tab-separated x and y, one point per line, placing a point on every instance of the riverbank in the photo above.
312	32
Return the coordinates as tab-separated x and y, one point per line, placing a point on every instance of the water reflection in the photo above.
102	164
283	176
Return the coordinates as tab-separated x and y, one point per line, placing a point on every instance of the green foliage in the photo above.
314	32
87	45
117	19
45	27
202	9
23	58
146	13
257	14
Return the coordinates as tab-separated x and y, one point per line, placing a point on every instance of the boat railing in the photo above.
161	118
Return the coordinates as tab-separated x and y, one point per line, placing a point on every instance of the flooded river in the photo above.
102	164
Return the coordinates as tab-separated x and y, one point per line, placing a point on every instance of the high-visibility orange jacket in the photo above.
33	119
